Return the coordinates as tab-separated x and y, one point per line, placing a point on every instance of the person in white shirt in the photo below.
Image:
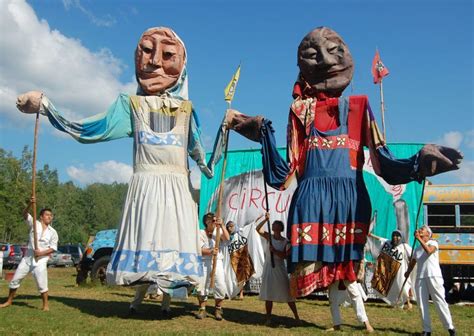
35	261
209	250
429	281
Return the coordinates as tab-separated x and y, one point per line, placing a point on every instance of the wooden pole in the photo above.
33	183
269	226
219	208
414	241
382	109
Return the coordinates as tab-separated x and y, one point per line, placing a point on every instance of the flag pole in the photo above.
219	208
269	227
382	109
229	95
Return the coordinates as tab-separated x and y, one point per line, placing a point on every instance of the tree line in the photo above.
78	212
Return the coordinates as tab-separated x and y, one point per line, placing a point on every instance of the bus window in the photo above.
441	215
467	214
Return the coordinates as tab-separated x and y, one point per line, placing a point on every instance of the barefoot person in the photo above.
36	261
275	282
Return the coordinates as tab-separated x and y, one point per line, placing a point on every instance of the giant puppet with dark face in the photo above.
158	237
330	210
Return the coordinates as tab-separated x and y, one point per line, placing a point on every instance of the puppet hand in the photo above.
436	159
29	102
247	126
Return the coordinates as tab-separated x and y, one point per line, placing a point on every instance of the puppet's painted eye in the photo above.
332	49
168	54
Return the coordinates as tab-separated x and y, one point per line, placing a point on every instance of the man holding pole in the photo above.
209	249
429	281
36	259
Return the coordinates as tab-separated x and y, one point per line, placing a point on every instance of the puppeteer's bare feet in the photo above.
6	304
368	327
45	308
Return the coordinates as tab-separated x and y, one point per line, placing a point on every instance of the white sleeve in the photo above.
29	220
433	243
54	241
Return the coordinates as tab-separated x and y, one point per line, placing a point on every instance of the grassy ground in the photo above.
103	311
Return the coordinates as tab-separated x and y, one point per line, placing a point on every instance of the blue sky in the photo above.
80	53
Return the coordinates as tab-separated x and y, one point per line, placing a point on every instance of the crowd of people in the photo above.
158	239
275	280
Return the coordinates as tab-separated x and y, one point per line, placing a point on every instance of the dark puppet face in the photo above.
325	61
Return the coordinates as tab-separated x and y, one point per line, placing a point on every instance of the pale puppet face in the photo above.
159	60
325	61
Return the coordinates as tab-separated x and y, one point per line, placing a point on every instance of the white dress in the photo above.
158	238
275	282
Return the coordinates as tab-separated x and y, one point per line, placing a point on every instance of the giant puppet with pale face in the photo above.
158	237
159	60
330	210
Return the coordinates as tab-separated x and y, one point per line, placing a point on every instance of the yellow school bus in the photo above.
449	212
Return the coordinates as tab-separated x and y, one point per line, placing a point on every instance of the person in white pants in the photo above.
36	261
209	250
357	302
429	281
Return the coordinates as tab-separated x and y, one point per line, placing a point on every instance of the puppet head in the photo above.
160	63
325	62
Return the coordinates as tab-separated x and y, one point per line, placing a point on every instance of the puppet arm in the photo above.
430	160
278	173
113	124
196	148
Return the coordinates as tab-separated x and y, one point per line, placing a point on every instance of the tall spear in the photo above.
229	95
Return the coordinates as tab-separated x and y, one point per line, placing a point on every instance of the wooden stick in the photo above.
414	241
272	259
219	209
33	183
382	109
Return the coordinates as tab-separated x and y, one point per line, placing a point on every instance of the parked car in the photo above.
97	256
58	259
12	254
75	250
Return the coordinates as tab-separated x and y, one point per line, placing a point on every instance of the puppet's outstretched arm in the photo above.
115	123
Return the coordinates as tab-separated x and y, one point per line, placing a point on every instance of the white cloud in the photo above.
79	81
107	21
469	139
451	139
102	172
465	174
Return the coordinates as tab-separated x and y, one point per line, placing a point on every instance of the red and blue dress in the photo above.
330	210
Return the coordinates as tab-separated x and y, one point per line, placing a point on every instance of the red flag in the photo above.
379	70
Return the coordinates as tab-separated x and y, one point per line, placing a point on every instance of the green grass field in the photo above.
98	310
